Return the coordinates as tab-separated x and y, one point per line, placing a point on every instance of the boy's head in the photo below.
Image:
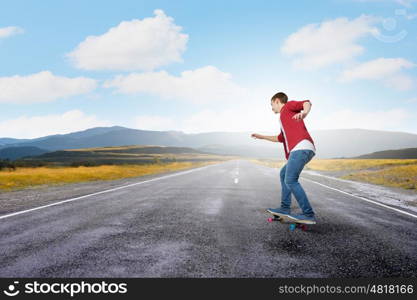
278	101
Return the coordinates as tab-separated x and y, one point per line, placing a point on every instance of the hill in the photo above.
13	153
329	143
409	153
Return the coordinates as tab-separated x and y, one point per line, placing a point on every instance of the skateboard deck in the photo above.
285	220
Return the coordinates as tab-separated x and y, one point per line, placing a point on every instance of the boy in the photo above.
299	150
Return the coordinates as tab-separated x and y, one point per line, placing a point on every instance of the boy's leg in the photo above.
285	208
296	162
285	191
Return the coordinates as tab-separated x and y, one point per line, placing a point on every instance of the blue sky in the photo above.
200	66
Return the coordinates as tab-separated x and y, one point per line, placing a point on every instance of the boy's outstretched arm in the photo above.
272	138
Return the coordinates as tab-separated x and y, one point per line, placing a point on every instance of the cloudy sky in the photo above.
199	66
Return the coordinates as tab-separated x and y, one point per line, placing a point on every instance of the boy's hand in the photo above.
257	136
299	116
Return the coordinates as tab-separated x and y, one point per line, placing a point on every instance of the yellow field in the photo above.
357	164
26	177
388	172
398	176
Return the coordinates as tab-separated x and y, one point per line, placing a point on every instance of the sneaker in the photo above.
278	211
302	219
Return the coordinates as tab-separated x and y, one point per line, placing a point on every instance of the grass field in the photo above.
101	163
388	172
28	177
403	176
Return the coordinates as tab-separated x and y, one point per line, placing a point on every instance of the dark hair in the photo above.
281	96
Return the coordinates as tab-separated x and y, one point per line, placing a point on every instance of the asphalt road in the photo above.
209	222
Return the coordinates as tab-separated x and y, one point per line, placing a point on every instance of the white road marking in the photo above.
364	199
101	192
237	173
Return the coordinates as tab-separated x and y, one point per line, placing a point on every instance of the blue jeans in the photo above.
289	175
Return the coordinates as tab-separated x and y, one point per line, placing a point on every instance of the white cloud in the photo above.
221	120
377	68
334	41
245	117
37	126
42	87
133	45
10	31
401	82
388	70
202	85
347	118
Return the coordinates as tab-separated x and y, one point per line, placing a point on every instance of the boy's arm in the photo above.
298	106
306	109
272	138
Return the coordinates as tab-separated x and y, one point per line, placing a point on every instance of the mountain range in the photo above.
337	143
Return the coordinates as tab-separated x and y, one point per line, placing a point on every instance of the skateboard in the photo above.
285	220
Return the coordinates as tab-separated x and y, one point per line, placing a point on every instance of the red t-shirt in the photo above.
293	131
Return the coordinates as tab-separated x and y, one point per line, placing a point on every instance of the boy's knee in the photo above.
290	181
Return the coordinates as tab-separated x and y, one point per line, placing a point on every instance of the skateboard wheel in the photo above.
270	220
292	227
303	227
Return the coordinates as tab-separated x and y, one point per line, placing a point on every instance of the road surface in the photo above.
207	222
